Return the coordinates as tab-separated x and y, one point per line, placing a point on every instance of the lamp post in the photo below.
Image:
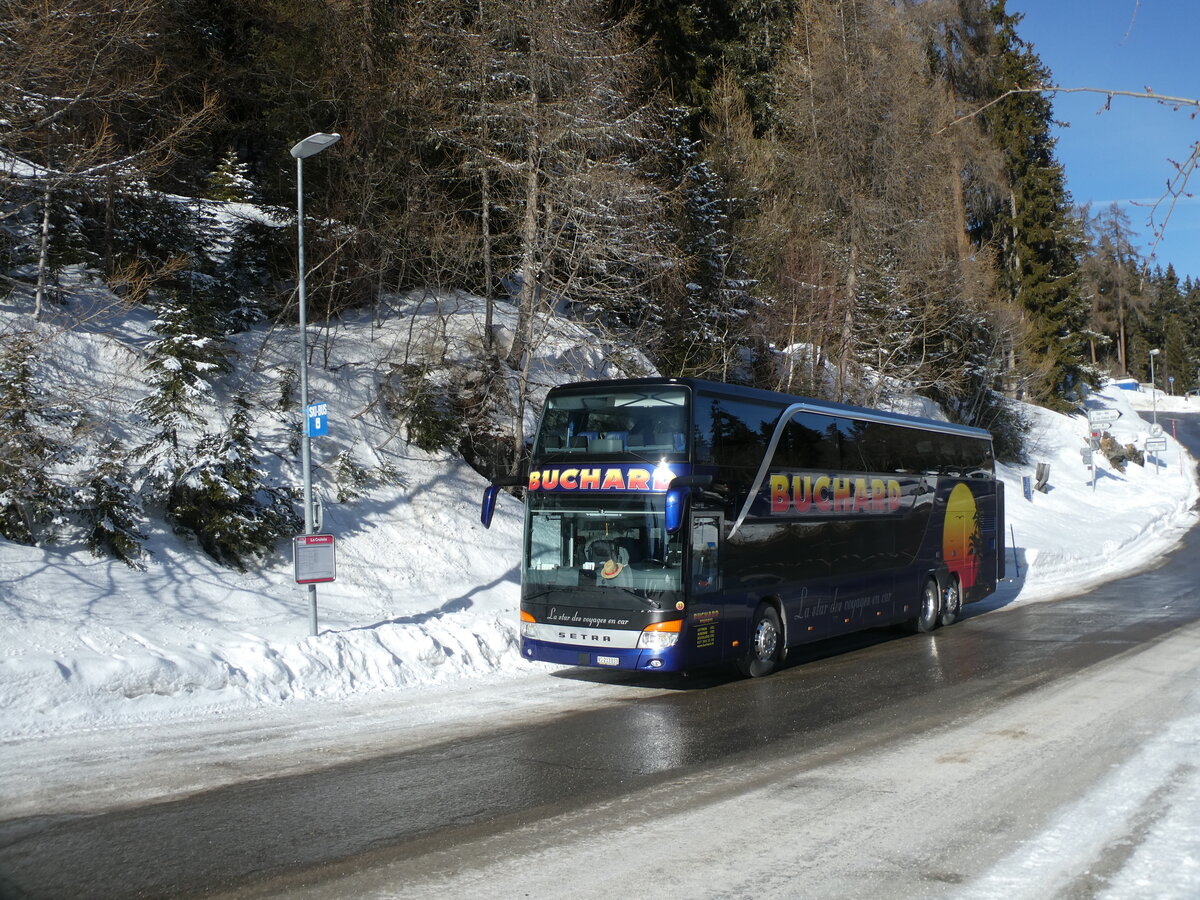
310	146
1153	386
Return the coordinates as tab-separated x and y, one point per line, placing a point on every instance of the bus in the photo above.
675	523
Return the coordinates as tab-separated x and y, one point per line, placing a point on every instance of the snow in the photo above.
424	607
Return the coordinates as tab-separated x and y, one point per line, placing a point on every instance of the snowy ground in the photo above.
120	686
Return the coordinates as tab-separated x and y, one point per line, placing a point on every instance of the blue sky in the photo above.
1123	154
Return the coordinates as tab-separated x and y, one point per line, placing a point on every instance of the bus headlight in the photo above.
660	635
529	626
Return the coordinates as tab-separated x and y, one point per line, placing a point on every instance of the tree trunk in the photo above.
43	252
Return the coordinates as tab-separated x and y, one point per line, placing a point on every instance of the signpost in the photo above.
1154	446
1102	416
1097	420
1085	454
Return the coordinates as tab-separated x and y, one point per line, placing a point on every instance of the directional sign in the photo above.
314	558
1156	445
1102	416
318	419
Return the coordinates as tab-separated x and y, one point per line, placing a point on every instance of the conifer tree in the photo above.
111	507
31	497
708	327
230	181
182	363
224	499
1037	239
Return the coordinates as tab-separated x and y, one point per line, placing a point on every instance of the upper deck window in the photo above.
648	422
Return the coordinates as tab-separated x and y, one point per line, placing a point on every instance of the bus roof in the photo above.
780	399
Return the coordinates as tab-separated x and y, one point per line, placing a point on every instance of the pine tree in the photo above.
349	477
706	329
230	182
111	507
224	499
31	497
1032	228
182	362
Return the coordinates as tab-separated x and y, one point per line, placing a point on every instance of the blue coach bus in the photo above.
673	523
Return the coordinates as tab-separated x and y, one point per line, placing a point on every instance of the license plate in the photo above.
607	661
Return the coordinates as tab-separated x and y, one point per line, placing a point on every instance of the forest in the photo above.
836	198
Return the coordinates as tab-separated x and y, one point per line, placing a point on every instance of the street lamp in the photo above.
1153	387
310	146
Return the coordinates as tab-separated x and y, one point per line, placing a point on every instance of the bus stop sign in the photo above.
318	419
314	558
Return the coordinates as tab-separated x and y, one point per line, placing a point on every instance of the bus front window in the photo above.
603	553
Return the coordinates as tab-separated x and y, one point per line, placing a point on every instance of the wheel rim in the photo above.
954	598
766	639
929	605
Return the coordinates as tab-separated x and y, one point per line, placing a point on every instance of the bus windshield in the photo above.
609	551
649	422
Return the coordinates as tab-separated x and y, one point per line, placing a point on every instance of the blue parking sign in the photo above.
318	419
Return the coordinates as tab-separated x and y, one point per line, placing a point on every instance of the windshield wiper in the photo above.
653	604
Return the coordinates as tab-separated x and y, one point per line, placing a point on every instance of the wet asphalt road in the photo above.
865	689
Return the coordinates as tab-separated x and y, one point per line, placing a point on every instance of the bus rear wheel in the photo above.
952	607
766	644
931	607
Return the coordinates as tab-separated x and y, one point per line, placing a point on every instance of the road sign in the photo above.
1155	430
1103	416
318	419
1156	445
314	556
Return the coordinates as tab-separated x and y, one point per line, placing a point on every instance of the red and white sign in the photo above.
314	557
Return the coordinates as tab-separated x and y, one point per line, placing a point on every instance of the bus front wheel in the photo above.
766	644
931	608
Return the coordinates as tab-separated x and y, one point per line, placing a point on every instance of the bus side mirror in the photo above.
489	504
677	493
676	502
492	491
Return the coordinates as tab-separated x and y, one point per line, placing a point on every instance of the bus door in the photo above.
705	609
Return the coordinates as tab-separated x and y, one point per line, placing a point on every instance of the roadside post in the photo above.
1175	434
1155	446
1097	420
317	421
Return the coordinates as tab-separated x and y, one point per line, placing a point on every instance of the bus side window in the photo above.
706	538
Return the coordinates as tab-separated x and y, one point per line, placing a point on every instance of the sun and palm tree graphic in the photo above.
961	539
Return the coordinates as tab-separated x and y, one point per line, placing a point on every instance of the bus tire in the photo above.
766	644
953	600
931	607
